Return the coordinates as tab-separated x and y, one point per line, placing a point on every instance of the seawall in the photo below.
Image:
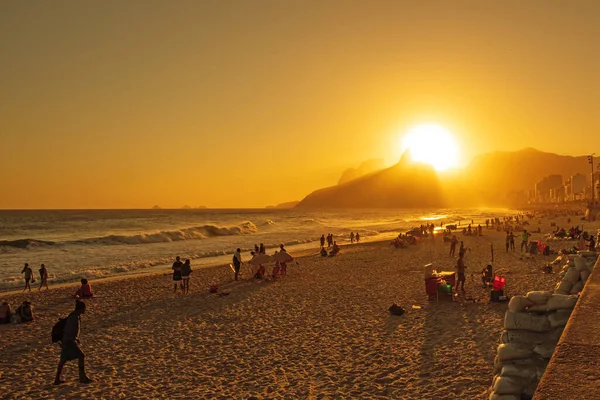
574	369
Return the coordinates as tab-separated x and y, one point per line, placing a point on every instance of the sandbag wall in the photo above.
533	325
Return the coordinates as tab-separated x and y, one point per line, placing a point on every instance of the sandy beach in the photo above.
323	331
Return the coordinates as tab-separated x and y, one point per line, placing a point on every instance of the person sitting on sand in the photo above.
25	312
260	272
186	270
84	291
460	269
5	313
323	252
281	248
335	250
487	276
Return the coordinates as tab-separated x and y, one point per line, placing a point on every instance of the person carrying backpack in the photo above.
69	343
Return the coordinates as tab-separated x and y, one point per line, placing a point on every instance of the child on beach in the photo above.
186	270
85	290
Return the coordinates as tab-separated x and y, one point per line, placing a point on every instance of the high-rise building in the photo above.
578	183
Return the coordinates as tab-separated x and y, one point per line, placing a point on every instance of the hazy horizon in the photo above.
240	105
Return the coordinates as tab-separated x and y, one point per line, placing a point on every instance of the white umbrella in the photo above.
282	256
261	259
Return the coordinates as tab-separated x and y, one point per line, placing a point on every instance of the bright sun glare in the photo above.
431	144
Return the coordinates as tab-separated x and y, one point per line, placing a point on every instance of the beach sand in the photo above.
323	331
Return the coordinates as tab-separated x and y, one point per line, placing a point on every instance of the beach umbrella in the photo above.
282	256
261	259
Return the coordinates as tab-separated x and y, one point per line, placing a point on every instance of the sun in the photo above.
431	144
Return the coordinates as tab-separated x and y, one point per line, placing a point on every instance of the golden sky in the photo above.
245	103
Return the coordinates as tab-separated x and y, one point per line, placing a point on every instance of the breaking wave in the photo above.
193	233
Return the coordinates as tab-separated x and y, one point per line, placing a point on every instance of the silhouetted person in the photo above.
525	240
357	237
507	240
460	269
237	262
28	276
351	237
70	345
256	249
281	248
512	241
177	265
453	244
592	244
461	250
186	270
261	249
322	240
43	277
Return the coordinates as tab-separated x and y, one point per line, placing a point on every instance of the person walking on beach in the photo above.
512	241
351	237
453	244
237	262
261	249
507	240
186	270
357	237
525	239
322	240
28	276
460	269
43	277
177	266
70	345
461	250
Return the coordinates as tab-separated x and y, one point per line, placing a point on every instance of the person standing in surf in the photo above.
237	262
28	276
177	266
43	277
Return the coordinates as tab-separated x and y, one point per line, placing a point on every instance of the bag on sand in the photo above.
396	309
562	302
539	297
513	351
519	303
58	330
527	322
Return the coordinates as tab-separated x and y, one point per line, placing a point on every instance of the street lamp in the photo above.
591	161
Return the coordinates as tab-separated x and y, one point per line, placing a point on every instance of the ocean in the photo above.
75	244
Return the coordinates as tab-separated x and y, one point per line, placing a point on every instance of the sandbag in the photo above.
537	308
562	302
527	372
498	365
545	350
523	337
538	296
508	385
578	287
528	322
557	320
584	275
580	263
495	396
519	303
514	351
564	286
562	292
572	275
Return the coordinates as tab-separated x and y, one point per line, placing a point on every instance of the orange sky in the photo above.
127	104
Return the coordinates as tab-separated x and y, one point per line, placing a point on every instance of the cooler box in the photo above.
498	283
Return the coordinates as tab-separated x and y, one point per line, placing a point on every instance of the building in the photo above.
578	184
545	189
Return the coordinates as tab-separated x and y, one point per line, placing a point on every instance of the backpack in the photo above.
58	330
396	309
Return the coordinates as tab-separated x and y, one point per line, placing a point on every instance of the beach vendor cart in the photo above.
439	284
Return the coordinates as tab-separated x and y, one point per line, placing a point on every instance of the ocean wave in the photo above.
193	233
25	243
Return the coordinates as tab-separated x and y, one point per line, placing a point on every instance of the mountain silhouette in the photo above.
404	185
